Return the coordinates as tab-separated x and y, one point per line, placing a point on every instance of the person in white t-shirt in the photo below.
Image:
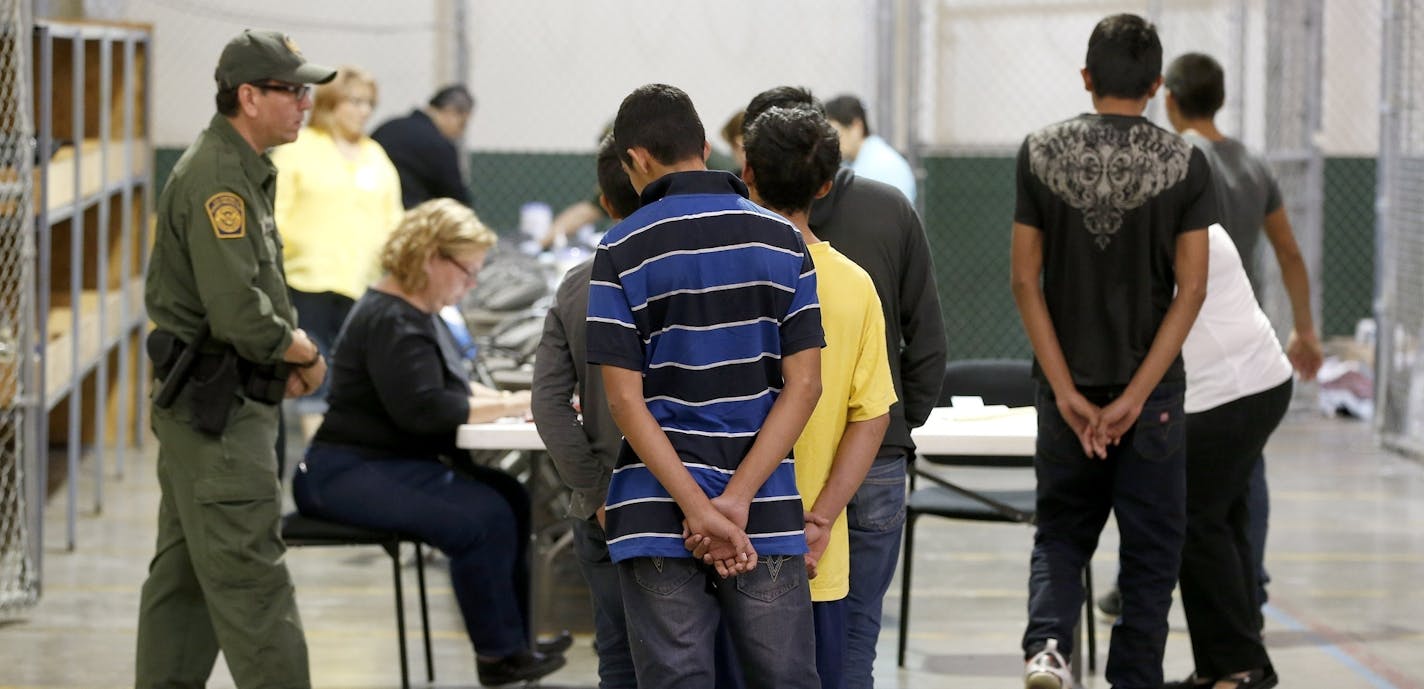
1238	388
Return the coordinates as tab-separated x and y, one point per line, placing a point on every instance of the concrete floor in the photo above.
1346	556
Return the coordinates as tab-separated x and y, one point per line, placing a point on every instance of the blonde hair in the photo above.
443	226
332	93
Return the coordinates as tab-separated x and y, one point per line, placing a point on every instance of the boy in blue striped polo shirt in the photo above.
703	315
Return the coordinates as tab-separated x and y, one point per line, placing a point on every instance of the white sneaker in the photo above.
1047	669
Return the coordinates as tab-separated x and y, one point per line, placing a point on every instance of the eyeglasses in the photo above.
298	91
470	273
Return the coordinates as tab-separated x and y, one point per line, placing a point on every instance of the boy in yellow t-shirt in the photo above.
792	155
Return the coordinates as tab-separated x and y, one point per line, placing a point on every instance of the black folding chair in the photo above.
299	531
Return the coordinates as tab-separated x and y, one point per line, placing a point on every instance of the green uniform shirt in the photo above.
217	254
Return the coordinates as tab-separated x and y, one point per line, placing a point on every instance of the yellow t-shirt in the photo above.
855	386
334	214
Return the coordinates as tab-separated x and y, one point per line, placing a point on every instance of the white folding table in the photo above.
949	431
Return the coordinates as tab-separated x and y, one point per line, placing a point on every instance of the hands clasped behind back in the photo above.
1098	428
719	538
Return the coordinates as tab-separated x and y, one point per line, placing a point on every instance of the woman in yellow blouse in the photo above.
338	198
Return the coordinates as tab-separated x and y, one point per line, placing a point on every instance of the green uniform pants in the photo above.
218	580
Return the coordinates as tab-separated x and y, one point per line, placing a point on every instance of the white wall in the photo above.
1350	123
1002	69
547	74
551	73
998	69
393	40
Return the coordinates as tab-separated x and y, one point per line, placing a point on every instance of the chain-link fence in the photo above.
990	72
19	490
979	75
956	86
1400	294
1292	102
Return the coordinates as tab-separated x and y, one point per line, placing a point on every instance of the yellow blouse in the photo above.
334	214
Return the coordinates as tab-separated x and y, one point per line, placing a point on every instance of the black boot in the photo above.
520	667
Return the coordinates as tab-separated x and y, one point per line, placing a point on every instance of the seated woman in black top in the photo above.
398	395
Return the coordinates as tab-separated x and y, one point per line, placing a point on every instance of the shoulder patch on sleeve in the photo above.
227	214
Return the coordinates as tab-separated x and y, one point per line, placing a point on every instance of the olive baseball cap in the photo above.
257	55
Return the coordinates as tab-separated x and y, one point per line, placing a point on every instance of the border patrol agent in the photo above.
218	580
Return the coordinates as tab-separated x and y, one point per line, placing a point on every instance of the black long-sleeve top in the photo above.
427	162
874	225
396	388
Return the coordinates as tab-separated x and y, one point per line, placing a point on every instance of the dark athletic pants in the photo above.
1219	575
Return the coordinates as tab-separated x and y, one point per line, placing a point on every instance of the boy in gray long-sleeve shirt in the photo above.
585	450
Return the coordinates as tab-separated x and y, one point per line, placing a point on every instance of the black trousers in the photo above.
1218	578
1142	483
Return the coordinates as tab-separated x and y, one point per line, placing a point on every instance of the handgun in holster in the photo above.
211	378
173	361
215	378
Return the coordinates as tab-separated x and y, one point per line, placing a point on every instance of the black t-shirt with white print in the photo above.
1110	194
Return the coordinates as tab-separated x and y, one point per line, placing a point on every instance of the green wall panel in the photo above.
163	161
968	214
969	210
1348	247
505	181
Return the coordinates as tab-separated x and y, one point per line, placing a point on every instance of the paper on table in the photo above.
991	411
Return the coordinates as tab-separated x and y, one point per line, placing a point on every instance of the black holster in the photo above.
214	386
216	379
163	350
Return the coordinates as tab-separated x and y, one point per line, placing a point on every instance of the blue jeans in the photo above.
468	519
876	516
830	618
674	605
610	626
1143	483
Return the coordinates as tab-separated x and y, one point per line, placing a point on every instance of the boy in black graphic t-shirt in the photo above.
1110	220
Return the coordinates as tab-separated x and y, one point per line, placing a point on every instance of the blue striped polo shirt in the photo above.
702	291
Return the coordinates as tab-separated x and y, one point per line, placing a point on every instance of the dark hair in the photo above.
792	152
1197	84
779	97
454	96
613	180
845	110
661	119
1124	57
226	100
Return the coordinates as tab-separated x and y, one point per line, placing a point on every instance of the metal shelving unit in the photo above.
93	213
